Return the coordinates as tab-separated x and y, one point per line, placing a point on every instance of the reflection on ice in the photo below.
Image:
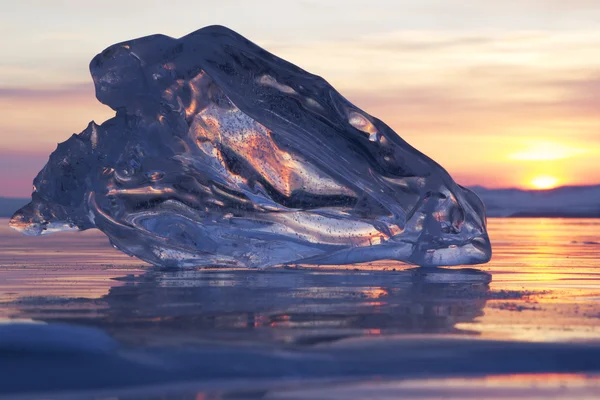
302	306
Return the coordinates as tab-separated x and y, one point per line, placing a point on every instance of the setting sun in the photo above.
544	182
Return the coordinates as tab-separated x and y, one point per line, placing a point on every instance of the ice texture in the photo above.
222	154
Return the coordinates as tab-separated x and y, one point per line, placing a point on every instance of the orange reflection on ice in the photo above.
524	380
375	293
280	320
544	275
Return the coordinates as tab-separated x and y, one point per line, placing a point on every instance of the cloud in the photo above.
498	84
35	119
562	5
74	90
515	97
582	94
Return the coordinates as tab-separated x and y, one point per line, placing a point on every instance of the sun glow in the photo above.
547	151
544	182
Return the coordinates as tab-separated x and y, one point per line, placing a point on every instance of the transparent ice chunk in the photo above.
222	154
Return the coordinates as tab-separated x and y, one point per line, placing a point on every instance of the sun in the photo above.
544	182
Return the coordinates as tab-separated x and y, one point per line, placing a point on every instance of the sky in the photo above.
502	94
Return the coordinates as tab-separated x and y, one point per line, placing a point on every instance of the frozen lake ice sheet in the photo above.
106	325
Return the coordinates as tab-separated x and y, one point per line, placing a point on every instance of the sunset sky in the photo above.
502	94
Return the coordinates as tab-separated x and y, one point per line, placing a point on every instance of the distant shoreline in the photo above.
8	205
558	215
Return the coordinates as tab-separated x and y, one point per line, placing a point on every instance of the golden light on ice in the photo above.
544	182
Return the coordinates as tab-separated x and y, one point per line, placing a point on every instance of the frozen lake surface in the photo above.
79	319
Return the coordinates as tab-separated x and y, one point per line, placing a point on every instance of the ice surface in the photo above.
223	154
